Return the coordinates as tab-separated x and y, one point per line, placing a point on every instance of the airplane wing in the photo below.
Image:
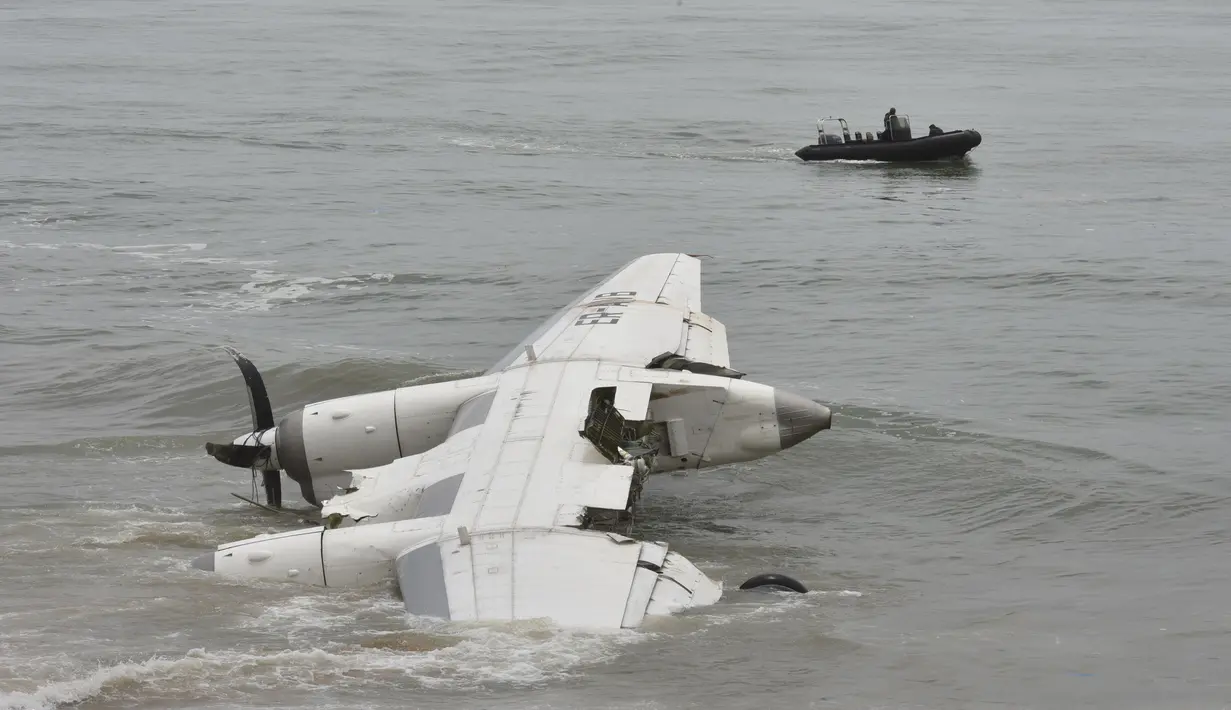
649	307
511	547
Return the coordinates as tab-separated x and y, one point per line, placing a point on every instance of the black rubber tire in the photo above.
774	579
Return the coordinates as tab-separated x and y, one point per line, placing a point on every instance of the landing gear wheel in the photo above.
775	580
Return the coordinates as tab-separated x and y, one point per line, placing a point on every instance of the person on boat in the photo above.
887	134
934	130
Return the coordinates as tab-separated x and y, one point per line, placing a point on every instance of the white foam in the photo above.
783	601
518	654
313	612
508	145
157	251
215	260
269	289
786	601
433	377
170	252
771	155
128	511
159	532
266	290
51	247
139	249
64	692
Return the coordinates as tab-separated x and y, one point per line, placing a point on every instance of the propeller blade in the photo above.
273	488
254	455
258	398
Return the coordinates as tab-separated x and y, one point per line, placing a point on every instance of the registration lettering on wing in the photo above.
605	308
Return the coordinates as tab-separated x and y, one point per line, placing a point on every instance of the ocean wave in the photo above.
427	655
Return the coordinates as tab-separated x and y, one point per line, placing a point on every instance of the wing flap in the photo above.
492	560
639	597
681	585
653	553
458	570
706	340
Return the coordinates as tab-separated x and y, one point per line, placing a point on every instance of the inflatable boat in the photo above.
894	145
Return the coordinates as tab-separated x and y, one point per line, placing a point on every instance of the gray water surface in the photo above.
1022	503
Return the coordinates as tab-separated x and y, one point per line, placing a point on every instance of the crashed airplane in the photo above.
510	495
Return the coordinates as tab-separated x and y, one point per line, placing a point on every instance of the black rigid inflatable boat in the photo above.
898	147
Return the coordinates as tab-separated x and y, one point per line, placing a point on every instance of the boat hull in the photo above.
953	144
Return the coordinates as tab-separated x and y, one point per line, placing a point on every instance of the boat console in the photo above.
833	130
899	128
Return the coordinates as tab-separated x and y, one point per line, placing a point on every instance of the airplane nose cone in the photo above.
798	418
205	562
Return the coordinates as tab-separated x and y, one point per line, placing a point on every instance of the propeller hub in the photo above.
239	455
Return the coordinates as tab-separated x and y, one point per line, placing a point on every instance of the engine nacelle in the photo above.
706	420
350	557
318	444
